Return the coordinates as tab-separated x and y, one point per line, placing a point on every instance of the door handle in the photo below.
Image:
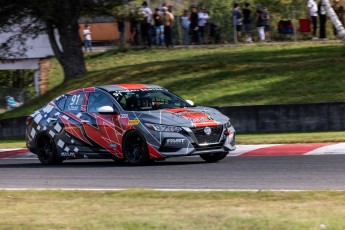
50	119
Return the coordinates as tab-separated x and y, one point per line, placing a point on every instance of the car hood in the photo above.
186	117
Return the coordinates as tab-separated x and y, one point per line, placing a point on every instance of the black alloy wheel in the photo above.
46	150
135	149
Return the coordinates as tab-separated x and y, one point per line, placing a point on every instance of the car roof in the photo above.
121	87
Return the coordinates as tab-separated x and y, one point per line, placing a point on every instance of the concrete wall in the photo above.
247	119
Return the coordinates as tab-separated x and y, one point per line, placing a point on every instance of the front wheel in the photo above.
46	151
135	149
214	157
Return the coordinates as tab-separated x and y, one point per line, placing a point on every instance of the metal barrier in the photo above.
250	119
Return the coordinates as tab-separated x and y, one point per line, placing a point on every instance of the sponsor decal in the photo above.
124	115
67	154
113	146
175	141
73	108
133	122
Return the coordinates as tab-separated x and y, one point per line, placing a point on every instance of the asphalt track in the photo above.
317	170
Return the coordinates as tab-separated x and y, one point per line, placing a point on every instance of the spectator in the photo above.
203	18
145	25
134	25
323	18
237	21
247	22
339	10
194	25
168	22
11	103
159	27
313	9
260	25
87	38
185	24
266	20
121	29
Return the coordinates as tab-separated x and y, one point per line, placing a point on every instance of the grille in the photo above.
208	139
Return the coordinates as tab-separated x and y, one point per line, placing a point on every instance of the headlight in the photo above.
228	124
163	128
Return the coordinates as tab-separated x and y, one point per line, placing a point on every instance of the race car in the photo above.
137	123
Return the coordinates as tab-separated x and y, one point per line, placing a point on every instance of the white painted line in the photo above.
166	190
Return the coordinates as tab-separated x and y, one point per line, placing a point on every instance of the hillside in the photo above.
232	75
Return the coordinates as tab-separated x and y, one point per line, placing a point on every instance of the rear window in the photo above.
74	102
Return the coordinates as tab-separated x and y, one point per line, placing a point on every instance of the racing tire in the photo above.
135	149
214	157
46	151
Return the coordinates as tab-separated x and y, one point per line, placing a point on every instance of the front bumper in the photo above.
195	141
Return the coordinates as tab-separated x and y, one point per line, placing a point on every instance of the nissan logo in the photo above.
207	130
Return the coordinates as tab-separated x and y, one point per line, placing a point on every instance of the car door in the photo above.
103	130
71	139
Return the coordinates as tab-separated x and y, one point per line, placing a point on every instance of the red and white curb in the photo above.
242	150
289	149
7	153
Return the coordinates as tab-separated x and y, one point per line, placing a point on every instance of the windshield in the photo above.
148	99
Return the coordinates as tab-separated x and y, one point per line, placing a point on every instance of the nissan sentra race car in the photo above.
137	123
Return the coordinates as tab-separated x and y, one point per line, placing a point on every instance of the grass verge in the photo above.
137	209
12	143
284	138
244	139
218	76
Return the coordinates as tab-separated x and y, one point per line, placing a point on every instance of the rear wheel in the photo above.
214	157
135	149
46	151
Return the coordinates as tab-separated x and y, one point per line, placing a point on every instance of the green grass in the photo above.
137	209
293	137
233	75
12	143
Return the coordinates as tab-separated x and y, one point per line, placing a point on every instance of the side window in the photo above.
61	104
97	100
74	102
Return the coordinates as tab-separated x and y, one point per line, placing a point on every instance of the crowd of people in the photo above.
318	17
192	24
242	20
149	27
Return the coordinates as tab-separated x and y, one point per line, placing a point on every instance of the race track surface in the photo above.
318	169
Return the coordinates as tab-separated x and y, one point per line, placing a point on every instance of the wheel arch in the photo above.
129	132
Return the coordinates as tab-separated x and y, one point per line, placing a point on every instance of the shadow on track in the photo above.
96	164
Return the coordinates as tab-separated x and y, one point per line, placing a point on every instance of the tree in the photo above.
52	17
335	20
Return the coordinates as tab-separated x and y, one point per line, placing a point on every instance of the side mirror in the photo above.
106	110
190	102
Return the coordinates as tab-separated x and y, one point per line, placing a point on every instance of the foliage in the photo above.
27	18
17	83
